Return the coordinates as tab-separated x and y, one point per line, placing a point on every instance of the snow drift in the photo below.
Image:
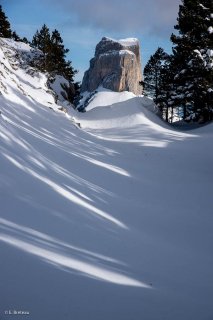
110	222
109	109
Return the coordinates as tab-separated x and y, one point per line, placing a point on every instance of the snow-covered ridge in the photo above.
17	73
128	42
17	77
20	47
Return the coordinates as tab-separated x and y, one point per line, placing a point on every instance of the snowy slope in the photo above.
18	77
111	221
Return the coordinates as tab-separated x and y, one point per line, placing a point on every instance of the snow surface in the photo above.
116	52
126	52
103	96
22	83
56	86
210	29
113	221
210	53
127	42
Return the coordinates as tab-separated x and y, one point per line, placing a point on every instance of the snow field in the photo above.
112	220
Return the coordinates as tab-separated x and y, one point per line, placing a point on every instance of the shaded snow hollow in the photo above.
112	221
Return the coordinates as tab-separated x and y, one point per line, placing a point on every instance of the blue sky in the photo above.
82	23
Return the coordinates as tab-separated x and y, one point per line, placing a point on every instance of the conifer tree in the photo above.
25	40
153	71
156	80
15	36
41	40
193	59
54	60
5	30
166	87
59	65
57	57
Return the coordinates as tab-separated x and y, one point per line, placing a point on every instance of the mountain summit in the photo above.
116	66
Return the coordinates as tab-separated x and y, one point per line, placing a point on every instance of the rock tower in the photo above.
116	66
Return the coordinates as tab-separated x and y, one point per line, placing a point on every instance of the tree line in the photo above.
181	83
53	54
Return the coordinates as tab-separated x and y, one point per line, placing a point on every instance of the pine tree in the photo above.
15	36
54	60
157	80
25	40
193	59
5	30
35	40
153	71
57	57
59	65
54	53
165	88
41	40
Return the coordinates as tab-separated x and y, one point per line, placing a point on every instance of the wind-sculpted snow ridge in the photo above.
107	216
102	97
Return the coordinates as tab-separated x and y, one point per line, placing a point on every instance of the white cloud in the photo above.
153	16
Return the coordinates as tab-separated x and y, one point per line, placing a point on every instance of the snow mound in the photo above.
108	109
104	97
123	114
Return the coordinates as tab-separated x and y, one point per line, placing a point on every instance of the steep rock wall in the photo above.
116	66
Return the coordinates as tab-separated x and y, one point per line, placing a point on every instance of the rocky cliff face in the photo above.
116	66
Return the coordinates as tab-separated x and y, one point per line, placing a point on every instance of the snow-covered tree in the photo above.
193	59
5	30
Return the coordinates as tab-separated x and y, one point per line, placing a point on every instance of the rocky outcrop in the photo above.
116	66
